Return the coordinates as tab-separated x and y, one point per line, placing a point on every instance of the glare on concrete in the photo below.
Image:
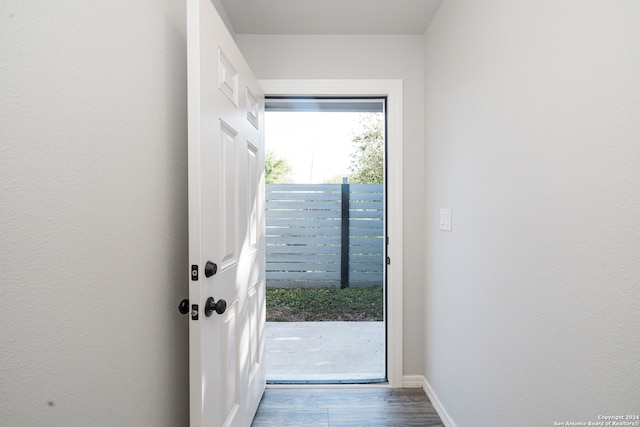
325	351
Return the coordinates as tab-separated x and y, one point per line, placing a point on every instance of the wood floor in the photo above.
331	407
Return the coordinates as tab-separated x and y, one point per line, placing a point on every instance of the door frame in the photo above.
392	90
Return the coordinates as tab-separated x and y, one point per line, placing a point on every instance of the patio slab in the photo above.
325	351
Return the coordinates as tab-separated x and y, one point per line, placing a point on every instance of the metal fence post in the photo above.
344	248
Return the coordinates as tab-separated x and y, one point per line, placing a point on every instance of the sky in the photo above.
317	145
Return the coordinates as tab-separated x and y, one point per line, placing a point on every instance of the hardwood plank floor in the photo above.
338	407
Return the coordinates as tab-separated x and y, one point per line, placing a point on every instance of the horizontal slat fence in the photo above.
306	241
366	233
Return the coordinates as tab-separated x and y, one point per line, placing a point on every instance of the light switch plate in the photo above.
445	219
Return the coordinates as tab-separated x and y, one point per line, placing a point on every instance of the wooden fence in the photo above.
324	235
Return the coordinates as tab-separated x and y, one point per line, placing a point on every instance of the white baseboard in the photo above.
419	381
413	381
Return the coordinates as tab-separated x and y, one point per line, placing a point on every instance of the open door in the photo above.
226	223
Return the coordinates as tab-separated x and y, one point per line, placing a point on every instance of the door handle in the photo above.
210	268
183	307
211	305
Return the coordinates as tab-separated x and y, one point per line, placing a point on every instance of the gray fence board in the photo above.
309	276
366	241
306	223
364	214
356	205
305	266
301	214
366	260
311	232
375	233
298	257
304	234
303	249
367	188
327	205
366	277
302	196
305	240
303	187
366	266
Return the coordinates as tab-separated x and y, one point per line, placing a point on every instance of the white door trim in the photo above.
392	89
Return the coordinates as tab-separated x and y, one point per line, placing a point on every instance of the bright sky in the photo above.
317	145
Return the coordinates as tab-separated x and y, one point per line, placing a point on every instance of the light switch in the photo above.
445	219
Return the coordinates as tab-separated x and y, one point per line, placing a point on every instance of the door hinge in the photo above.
388	261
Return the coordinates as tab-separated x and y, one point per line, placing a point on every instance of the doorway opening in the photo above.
326	239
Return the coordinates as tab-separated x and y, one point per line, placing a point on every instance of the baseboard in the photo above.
413	381
419	381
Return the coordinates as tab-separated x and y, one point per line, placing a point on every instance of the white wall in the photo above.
93	213
533	139
367	57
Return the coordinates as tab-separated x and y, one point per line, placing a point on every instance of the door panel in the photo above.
228	203
226	225
253	174
231	397
227	77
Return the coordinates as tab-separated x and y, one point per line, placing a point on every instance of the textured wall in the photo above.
533	139
93	216
367	57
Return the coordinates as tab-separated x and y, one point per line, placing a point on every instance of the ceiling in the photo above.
330	16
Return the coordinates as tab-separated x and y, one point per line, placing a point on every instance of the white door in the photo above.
226	223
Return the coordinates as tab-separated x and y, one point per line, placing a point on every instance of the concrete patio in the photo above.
325	351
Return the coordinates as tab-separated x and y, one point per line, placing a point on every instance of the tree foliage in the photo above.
276	169
367	160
